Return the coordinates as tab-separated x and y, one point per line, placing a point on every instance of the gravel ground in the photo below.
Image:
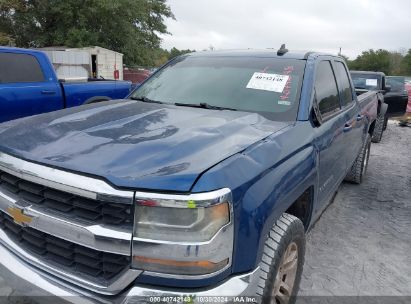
361	246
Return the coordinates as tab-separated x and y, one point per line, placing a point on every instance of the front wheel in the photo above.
282	261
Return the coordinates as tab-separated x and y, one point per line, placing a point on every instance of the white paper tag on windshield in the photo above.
371	82
268	82
284	102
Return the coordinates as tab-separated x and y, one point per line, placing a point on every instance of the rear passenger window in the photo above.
345	89
326	89
19	68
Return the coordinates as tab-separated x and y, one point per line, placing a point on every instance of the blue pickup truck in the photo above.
203	182
29	86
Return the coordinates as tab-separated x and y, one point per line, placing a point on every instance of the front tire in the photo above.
359	168
282	261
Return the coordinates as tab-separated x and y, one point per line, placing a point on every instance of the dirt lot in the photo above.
361	246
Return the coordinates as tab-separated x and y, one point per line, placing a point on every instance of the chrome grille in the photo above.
75	258
67	203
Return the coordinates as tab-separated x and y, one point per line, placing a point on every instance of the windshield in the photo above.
366	81
397	83
269	86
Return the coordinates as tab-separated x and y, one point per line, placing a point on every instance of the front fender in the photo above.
263	204
265	179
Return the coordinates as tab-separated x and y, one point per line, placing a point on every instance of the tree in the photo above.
131	27
174	52
344	57
347	60
160	57
396	63
406	64
373	61
6	40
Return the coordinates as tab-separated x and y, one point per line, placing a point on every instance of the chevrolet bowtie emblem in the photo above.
18	216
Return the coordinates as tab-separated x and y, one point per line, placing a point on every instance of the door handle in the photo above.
347	127
47	92
360	117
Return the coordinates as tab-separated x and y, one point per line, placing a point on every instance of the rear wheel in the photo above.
379	124
96	99
359	168
385	122
282	262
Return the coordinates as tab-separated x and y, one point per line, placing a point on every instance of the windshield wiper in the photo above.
203	105
145	99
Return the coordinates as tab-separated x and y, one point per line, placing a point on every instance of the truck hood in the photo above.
133	144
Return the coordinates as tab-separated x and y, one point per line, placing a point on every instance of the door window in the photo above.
326	89
19	68
345	86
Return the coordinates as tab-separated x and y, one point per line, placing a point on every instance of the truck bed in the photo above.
76	93
368	102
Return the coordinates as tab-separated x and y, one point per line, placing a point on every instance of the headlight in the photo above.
180	224
183	234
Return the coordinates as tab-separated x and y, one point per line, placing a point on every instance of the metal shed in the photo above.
93	62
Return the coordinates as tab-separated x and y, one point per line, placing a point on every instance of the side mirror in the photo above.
315	112
317	119
387	88
316	115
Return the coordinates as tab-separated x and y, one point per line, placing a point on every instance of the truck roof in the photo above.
368	72
270	53
20	50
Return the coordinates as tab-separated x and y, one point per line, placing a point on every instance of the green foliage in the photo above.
344	57
347	60
373	61
406	64
395	63
127	26
161	56
6	39
391	63
175	52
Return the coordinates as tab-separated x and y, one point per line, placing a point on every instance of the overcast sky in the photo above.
322	25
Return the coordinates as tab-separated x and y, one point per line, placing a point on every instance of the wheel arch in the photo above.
96	99
371	128
303	207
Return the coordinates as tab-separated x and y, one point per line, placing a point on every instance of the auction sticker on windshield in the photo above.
371	82
268	82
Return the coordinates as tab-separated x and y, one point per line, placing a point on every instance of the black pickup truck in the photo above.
397	97
365	81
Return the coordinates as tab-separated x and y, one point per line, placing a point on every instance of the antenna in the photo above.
282	50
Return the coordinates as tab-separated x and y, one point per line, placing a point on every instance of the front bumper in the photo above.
27	281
